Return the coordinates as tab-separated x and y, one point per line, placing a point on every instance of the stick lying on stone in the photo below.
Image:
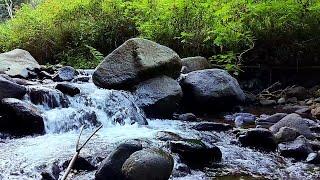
78	149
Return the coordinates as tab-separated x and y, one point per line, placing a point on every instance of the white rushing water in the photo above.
25	158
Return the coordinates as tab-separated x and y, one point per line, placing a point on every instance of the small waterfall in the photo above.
90	108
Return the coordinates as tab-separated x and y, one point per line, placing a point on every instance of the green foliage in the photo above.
78	32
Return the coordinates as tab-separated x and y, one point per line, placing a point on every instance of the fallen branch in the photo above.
78	149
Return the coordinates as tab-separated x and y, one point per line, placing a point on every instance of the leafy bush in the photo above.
74	32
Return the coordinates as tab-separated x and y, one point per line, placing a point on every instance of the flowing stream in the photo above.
25	158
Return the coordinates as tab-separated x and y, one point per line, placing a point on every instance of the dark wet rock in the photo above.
148	164
18	63
286	134
181	170
66	73
80	164
134	61
316	112
49	97
250	98
110	168
68	89
211	89
292	108
195	153
159	97
267	102
212	126
298	149
270	120
299	92
292	100
194	64
187	117
44	75
259	138
293	121
120	106
47	176
81	79
21	118
313	158
10	89
52	172
168	136
315	145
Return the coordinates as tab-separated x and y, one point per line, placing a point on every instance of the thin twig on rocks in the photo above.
78	149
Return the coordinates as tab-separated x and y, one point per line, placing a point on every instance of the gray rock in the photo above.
286	134
292	100
299	92
211	89
187	117
21	118
194	64
110	168
134	61
267	102
18	63
298	149
281	101
259	138
270	120
148	164
168	136
51	98
66	73
195	153
10	89
293	121
313	158
159	97
212	126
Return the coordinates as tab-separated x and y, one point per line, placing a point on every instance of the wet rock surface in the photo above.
68	89
66	73
298	149
47	96
212	126
259	138
10	89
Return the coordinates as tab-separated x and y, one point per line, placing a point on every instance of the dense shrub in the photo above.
78	32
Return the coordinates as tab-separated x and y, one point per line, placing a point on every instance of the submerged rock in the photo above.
159	97
195	153
298	149
168	136
259	138
211	89
21	118
66	73
18	63
134	61
187	117
10	89
68	89
148	164
293	121
80	164
110	168
194	64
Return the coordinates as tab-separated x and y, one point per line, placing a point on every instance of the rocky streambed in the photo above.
146	98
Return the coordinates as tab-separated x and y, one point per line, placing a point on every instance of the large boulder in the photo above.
211	89
159	97
148	164
18	63
293	121
190	64
110	168
21	118
259	138
195	153
10	89
134	61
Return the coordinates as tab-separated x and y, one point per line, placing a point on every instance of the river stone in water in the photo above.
195	153
66	73
51	98
110	168
159	97
10	89
148	164
212	126
286	134
259	138
194	64
293	121
18	62
68	89
211	89
298	149
134	61
21	118
270	120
